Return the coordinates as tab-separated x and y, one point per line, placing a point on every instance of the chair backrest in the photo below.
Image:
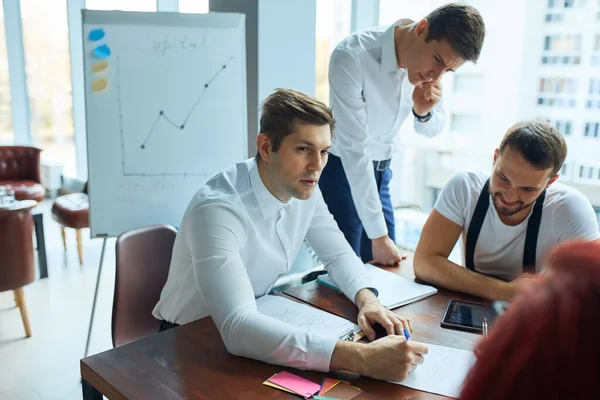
20	163
17	265
143	258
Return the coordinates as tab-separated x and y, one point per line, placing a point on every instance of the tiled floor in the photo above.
46	365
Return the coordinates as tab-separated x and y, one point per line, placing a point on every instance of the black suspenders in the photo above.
533	227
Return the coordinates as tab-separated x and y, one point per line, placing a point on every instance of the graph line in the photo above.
122	132
162	115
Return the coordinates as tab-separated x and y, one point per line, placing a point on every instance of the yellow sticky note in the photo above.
99	66
273	385
99	85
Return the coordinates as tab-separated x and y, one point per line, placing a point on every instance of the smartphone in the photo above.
467	316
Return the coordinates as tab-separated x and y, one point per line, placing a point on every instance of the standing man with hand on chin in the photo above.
370	100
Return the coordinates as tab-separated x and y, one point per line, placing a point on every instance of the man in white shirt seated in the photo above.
509	221
243	229
378	77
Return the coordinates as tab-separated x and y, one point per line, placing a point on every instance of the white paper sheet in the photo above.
443	372
304	316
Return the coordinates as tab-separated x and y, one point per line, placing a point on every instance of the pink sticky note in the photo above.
295	383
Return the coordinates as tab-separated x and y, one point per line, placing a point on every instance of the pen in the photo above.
406	334
485	327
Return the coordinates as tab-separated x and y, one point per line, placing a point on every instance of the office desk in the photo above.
424	314
191	362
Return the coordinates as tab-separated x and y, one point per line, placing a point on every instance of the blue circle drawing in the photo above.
102	52
96	34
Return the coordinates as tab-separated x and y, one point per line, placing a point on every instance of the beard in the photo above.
508	211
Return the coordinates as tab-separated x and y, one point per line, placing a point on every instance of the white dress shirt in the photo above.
371	97
235	240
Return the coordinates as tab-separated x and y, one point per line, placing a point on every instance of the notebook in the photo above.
394	290
304	316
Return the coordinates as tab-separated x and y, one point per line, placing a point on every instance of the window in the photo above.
464	123
554	17
193	6
591	129
558	85
6	131
595	86
468	83
123	5
589	172
48	72
562	43
332	26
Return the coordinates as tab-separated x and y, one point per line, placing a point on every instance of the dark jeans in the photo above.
336	193
166	325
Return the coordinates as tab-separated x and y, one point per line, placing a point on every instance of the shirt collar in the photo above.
268	204
389	63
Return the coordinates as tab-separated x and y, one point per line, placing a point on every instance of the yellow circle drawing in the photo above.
99	85
99	66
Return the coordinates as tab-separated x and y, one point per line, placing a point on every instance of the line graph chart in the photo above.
163	116
158	129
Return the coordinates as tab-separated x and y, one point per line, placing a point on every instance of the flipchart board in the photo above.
165	104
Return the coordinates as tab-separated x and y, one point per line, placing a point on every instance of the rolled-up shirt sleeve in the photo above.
332	248
351	134
215	235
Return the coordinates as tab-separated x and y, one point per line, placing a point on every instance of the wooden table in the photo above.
191	362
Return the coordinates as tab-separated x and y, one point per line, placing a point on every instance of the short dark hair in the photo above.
285	108
539	142
461	25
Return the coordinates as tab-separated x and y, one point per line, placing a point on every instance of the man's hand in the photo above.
371	311
523	280
426	96
392	358
385	251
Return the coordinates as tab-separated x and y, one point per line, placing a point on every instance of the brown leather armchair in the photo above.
20	171
16	252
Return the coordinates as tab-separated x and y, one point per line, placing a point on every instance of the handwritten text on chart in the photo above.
168	44
151	186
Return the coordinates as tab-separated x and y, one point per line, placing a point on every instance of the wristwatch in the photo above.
422	118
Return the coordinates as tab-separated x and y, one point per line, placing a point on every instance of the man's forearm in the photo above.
364	296
348	356
440	271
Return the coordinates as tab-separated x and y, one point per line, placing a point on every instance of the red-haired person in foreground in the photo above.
547	345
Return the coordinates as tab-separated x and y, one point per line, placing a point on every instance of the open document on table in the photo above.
394	290
443	371
304	316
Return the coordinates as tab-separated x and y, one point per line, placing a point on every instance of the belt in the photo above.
382	165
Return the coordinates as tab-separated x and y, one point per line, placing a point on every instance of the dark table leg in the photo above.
90	392
38	222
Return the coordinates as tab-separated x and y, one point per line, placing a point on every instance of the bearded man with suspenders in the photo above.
509	221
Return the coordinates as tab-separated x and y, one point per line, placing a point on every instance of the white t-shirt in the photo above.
567	214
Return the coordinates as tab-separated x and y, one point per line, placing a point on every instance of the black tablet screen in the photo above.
470	315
